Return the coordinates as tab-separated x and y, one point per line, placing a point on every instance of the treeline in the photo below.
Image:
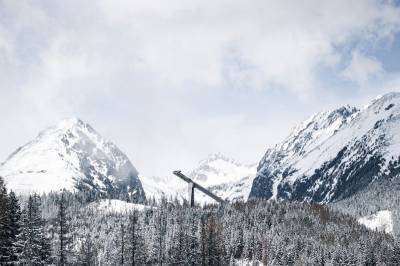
266	232
26	238
63	229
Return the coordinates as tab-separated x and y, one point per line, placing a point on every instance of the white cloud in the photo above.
362	69
273	43
142	69
278	44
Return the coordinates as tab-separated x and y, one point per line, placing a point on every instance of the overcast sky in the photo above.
172	81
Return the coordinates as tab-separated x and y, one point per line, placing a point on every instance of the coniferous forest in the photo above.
62	229
200	133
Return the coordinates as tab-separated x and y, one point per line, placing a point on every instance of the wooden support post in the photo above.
191	193
193	185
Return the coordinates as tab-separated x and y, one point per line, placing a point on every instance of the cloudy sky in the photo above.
172	81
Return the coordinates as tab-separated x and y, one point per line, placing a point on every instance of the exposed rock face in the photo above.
333	155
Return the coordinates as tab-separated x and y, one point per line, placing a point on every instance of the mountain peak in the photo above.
218	168
333	154
386	101
73	123
70	122
215	157
72	155
387	96
66	127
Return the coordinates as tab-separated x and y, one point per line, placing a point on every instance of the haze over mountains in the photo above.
328	157
72	155
223	176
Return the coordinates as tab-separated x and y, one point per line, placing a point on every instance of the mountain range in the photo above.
223	176
330	157
72	155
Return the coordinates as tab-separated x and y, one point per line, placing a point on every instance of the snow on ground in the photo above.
116	206
381	221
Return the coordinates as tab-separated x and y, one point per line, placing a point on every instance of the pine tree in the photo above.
159	228
215	250
370	259
193	249
87	254
15	226
264	258
36	248
135	246
5	226
122	252
203	240
65	240
395	258
178	255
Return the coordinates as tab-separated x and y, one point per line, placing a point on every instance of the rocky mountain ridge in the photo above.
333	155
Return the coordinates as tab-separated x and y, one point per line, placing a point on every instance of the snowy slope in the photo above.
381	221
115	206
333	155
223	176
72	155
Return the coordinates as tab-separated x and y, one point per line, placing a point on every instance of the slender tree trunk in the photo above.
122	244
133	236
61	221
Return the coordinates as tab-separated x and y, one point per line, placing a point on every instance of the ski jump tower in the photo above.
192	185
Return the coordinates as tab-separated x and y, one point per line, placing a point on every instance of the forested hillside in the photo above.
383	195
62	229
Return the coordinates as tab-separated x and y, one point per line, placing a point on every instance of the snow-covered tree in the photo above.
36	248
6	238
64	249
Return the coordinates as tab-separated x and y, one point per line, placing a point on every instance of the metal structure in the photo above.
193	185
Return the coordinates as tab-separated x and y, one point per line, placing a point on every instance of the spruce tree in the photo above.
203	240
395	258
193	241
122	250
178	254
5	226
15	226
87	254
135	243
36	249
159	229
64	237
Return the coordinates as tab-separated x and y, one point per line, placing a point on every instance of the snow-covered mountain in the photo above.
223	176
74	156
335	154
